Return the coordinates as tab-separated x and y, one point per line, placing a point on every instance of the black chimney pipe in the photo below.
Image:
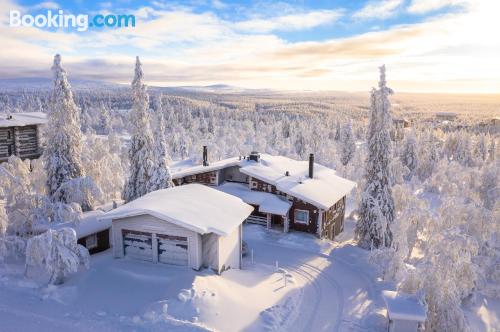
205	156
311	165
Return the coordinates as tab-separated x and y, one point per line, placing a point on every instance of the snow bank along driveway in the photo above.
327	289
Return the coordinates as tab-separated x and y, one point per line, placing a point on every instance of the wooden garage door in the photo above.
172	249
138	245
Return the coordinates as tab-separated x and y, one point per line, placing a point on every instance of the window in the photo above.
302	217
91	241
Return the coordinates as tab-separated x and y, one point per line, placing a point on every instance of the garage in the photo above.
138	245
191	225
172	249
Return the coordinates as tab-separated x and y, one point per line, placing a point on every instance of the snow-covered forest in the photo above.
426	202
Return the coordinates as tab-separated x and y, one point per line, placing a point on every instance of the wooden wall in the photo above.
102	242
20	141
207	178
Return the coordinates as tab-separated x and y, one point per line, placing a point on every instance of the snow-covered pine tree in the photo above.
64	139
337	131
492	151
161	177
348	144
104	124
409	154
141	154
376	211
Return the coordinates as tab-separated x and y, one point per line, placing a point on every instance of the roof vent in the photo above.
255	156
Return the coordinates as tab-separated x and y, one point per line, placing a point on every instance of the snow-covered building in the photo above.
285	193
191	225
20	135
404	311
91	232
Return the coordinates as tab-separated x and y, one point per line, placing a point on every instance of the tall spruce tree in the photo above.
141	154
376	212
64	139
348	144
161	177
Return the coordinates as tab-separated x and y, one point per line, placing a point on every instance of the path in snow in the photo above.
338	295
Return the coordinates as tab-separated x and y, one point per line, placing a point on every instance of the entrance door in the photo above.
138	245
172	249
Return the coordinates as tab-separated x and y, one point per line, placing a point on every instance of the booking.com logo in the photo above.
80	22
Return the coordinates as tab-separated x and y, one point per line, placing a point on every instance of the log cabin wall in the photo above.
7	144
207	178
27	145
311	227
23	142
333	220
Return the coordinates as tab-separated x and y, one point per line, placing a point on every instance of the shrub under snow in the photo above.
57	253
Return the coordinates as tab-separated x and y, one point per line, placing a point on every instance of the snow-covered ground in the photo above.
329	287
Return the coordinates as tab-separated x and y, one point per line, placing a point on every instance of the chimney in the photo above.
311	165
205	156
255	156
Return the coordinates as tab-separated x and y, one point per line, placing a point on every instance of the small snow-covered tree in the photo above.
141	153
376	211
489	189
449	276
82	191
57	253
337	131
3	220
409	155
63	151
104	124
161	177
348	144
492	150
481	150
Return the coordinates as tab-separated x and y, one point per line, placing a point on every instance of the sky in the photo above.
441	46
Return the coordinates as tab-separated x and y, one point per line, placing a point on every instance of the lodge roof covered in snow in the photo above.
193	206
186	167
22	119
323	190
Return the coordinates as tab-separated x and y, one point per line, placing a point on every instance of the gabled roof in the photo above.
323	190
23	119
193	206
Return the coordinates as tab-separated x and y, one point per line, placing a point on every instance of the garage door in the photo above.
138	245
172	249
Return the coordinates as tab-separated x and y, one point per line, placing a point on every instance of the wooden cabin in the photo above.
20	135
286	194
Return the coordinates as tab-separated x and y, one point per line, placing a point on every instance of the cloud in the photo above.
46	5
290	22
218	4
425	6
378	9
453	52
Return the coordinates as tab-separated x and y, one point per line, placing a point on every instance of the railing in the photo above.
257	220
